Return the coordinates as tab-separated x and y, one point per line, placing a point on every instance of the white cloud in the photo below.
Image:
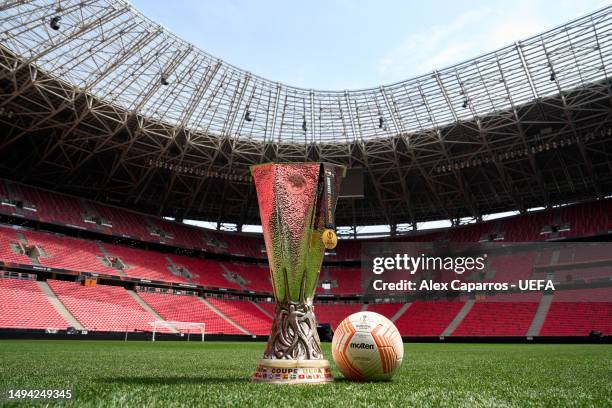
438	45
476	32
450	54
514	29
468	35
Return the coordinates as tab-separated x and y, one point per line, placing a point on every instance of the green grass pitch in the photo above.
177	374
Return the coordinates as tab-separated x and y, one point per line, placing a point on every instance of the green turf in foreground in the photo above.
172	374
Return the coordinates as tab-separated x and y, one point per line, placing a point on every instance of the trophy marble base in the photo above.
274	371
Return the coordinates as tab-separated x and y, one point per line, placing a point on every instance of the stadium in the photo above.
116	133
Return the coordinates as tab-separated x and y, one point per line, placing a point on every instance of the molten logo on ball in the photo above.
367	346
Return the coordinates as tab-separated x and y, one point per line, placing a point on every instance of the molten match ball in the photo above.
367	346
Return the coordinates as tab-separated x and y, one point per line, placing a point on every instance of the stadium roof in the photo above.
112	105
109	49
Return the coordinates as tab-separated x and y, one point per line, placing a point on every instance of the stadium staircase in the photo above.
540	316
400	312
427	318
264	311
459	318
179	271
59	306
34	256
21	238
10	249
149	309
364	307
232	276
224	317
270	307
254	277
118	271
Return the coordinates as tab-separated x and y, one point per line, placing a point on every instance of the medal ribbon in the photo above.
329	190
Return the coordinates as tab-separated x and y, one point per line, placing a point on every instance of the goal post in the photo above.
181	328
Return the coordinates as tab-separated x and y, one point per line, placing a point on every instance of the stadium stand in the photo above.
23	305
103	308
123	222
87	256
207	272
67	210
69	253
526	228
578	312
578	319
588	218
175	234
111	308
143	264
50	207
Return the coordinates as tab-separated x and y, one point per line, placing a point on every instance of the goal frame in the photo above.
180	327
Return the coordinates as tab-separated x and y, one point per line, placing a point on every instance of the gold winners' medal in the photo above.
329	238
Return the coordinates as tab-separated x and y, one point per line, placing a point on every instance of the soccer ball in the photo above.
367	346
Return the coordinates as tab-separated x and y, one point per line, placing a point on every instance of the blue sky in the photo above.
352	44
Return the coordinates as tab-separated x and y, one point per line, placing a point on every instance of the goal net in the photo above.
181	328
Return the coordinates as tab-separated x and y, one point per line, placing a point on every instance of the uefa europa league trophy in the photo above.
296	206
